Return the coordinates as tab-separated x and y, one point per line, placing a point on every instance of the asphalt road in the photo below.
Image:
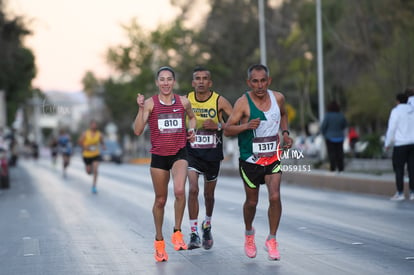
53	225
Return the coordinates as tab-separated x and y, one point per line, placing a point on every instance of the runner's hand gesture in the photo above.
140	100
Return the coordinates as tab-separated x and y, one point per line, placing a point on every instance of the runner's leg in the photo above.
160	179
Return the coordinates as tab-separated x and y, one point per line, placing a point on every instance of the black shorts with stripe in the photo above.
210	169
253	175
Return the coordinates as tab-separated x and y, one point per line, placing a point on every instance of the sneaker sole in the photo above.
164	259
160	261
191	247
270	258
180	248
253	256
194	245
207	246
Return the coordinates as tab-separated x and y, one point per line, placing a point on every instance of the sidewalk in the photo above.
360	176
357	182
346	181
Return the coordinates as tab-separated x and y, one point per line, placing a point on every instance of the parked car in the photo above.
113	152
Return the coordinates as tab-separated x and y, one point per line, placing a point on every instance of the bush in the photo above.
374	148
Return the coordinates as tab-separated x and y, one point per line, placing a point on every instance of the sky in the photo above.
71	37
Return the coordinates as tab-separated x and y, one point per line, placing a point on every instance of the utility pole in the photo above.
320	60
262	33
3	109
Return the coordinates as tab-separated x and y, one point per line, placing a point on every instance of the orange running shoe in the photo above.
160	253
178	241
271	247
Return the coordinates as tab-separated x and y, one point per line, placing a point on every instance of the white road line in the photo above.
30	247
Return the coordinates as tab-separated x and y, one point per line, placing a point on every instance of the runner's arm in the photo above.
287	140
145	108
192	122
224	106
238	121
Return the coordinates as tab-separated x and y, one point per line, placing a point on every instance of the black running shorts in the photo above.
166	162
210	169
88	161
253	175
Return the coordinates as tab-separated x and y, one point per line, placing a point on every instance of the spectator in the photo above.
333	130
353	138
410	93
400	133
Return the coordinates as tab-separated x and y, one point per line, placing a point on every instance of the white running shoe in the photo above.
398	197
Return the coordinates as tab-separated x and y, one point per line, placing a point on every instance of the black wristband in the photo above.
285	131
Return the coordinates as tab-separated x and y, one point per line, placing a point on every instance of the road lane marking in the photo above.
30	247
24	214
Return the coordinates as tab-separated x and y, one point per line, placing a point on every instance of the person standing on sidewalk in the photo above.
400	133
257	117
333	130
90	142
205	153
166	114
410	93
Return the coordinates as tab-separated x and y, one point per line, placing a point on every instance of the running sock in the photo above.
271	237
250	232
207	221
175	230
193	226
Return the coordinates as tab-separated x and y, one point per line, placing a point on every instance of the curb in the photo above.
383	185
367	184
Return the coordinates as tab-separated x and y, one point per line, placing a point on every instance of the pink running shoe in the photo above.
271	247
250	246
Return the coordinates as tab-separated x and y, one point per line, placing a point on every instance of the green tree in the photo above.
366	54
229	43
137	60
17	63
366	49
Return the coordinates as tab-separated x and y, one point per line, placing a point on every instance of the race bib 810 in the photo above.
170	123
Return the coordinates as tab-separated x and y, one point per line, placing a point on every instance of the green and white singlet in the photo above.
261	146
